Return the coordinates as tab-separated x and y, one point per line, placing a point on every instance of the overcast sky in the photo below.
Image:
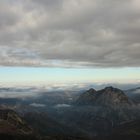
69	41
70	33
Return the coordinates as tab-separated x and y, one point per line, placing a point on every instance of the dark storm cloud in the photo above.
70	33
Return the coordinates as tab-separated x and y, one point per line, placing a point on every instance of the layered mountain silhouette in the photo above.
93	115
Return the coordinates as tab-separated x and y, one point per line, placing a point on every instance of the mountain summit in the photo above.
108	96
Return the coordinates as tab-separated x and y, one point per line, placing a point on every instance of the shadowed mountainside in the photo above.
102	114
108	96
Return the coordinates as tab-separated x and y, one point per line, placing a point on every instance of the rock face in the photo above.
12	123
106	109
108	96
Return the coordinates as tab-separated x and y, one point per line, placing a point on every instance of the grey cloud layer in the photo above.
70	33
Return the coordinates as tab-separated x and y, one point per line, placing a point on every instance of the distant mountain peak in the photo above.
91	90
113	89
110	88
109	96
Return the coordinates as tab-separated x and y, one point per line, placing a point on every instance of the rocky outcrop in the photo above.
12	123
108	96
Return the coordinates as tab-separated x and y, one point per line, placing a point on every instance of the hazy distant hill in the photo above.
134	94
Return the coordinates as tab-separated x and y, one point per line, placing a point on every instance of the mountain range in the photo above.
91	114
108	96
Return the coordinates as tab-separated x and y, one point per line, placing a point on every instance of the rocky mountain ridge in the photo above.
108	96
